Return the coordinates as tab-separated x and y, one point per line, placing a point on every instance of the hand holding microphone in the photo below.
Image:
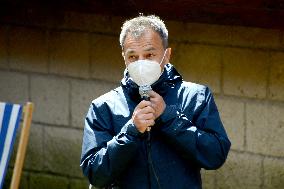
143	116
148	110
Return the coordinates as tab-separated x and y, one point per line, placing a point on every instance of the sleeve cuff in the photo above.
169	113
130	129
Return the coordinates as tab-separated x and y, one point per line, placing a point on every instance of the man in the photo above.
119	150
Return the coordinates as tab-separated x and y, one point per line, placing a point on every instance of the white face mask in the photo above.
145	72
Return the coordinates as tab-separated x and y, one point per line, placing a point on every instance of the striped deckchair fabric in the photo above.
10	115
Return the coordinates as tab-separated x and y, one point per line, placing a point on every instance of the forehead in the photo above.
148	39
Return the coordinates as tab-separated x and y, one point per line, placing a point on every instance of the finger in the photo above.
150	116
144	123
153	94
146	110
149	123
143	104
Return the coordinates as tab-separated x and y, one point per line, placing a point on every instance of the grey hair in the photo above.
137	26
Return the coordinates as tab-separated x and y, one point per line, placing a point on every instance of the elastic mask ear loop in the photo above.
163	56
162	61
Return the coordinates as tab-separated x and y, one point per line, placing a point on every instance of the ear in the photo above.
122	54
168	55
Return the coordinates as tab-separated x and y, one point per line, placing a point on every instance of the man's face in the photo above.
147	46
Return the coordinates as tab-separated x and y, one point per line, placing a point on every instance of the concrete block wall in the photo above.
64	62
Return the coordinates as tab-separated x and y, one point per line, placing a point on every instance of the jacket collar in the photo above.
169	78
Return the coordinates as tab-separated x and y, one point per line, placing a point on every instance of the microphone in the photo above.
143	91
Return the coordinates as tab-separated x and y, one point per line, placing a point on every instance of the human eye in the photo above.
150	55
131	58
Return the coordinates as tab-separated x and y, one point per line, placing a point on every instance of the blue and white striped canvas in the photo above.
10	115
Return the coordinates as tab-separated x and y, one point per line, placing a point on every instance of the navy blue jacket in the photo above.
188	136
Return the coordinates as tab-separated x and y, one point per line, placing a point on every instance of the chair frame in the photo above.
21	152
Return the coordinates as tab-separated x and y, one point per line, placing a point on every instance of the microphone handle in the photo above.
147	98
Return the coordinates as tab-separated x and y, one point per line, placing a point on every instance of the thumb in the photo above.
153	94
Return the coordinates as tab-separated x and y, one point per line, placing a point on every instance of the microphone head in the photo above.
143	91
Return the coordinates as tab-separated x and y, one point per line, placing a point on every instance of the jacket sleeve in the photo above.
105	156
205	141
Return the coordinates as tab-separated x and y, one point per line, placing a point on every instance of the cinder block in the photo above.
276	80
79	183
82	94
28	49
51	98
208	179
174	49
3	48
201	33
35	159
45	181
265	131
86	22
13	87
240	171
255	37
177	31
69	54
232	115
224	35
174	53
209	33
62	150
106	60
273	173
200	64
245	72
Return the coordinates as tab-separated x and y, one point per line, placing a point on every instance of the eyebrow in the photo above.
132	51
129	52
150	49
